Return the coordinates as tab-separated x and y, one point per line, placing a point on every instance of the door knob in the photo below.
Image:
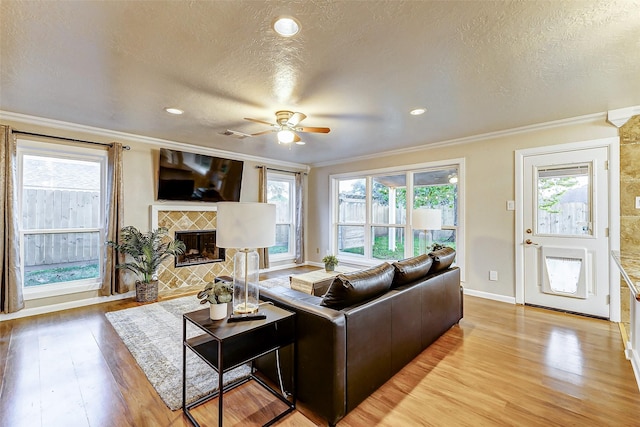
529	242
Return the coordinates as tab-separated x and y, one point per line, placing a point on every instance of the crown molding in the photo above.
130	137
622	115
589	118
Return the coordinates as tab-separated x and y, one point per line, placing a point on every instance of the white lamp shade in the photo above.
246	225
426	219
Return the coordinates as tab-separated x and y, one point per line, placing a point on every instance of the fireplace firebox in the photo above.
200	248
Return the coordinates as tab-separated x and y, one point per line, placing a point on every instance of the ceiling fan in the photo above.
287	124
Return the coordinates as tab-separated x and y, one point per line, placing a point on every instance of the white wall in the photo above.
490	169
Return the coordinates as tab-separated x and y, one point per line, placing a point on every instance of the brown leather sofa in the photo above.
365	329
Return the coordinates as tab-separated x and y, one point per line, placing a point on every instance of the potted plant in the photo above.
145	252
330	262
218	294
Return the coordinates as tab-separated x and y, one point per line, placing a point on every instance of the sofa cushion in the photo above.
442	259
352	288
411	269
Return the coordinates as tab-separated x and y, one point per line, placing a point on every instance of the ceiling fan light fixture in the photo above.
286	26
285	136
300	143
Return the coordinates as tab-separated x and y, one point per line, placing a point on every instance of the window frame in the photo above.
409	170
291	179
26	147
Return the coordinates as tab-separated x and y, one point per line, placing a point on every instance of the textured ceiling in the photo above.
357	67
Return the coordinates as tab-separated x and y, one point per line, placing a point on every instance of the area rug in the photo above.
153	335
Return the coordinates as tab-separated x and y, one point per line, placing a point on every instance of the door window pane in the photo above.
351	239
564	202
352	201
387	243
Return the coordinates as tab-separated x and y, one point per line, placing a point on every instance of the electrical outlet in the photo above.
493	275
317	250
638	202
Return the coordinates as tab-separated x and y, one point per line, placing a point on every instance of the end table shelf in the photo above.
225	346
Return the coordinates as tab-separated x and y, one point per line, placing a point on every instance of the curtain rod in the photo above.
278	170
124	147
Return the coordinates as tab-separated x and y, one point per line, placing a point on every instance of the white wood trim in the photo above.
612	144
634	358
488	295
27	312
622	115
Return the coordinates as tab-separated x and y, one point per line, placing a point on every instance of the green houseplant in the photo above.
145	252
330	262
218	294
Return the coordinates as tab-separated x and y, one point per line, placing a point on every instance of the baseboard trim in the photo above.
634	358
488	295
27	312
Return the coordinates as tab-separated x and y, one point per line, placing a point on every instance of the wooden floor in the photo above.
503	365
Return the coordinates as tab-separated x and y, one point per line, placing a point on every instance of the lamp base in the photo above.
245	308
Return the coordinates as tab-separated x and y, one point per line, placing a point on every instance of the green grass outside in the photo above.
273	250
61	274
381	248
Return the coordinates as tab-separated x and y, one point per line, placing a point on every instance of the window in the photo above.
280	191
61	203
372	211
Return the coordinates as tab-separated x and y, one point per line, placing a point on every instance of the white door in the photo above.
565	221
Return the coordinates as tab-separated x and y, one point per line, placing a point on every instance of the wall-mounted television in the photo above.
197	177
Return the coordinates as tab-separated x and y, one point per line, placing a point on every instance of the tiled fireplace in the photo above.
191	220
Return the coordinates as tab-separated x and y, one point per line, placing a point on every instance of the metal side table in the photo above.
225	346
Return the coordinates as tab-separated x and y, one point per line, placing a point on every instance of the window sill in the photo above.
58	289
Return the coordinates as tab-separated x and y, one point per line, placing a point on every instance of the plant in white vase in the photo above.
218	294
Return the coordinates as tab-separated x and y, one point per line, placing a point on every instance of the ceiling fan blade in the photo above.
295	119
313	129
296	138
259	121
263	132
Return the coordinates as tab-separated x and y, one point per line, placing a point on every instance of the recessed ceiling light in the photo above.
286	26
418	111
172	110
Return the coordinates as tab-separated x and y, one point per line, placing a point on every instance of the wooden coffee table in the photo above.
317	282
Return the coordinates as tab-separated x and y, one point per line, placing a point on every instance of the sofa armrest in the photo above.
321	349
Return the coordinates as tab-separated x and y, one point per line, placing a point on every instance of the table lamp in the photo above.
245	226
424	219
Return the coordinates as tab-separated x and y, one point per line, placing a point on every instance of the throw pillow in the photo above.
352	288
442	259
411	269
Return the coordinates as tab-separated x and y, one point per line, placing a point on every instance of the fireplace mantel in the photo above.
196	207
